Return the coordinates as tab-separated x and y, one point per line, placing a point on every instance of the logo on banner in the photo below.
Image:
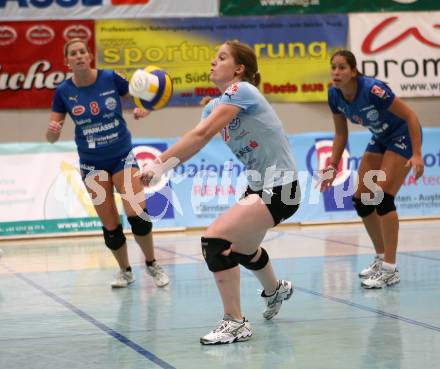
160	196
77	31
8	35
322	152
40	34
367	47
130	2
48	3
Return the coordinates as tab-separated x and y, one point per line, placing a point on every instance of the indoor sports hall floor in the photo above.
57	309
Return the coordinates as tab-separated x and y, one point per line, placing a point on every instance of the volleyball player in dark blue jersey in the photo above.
92	99
394	148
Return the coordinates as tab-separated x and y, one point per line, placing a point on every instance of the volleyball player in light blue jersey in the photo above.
253	133
92	99
395	147
250	127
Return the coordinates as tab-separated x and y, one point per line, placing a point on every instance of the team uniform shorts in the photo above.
109	165
400	144
281	201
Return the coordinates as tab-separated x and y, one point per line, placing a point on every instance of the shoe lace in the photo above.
376	263
377	275
220	326
156	270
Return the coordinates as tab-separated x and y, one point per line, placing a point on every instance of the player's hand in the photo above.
327	176
139	113
55	127
152	171
417	165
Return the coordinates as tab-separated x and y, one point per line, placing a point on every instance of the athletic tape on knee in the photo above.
212	249
386	205
245	260
140	226
114	239
362	209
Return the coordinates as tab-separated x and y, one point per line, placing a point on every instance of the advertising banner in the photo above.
109	9
196	192
293	52
401	49
273	7
32	61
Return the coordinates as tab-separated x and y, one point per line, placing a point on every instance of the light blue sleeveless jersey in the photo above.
256	137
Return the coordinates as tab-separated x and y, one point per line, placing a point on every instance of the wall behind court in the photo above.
30	125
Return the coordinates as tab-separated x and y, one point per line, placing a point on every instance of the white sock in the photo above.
380	256
388	267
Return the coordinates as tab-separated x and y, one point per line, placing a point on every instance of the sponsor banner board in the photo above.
32	62
110	9
197	191
402	49
293	52
276	7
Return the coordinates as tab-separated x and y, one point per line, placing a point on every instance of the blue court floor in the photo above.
57	309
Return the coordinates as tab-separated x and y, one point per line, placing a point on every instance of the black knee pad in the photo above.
115	239
245	260
140	226
212	249
387	204
362	209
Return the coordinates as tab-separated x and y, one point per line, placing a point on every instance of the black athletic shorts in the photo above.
282	201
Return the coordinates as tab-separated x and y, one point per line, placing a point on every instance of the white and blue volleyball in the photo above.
151	88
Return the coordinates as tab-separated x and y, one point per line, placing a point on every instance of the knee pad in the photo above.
212	249
387	204
245	260
140	226
362	209
115	239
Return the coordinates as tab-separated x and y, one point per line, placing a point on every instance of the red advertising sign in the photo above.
32	61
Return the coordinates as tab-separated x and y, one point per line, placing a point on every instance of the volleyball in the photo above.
151	88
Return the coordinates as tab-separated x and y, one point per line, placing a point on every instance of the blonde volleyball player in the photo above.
252	130
92	99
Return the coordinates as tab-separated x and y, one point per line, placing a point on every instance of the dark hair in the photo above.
74	41
244	54
349	58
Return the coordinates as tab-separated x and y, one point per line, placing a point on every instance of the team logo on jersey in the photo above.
378	91
373	115
247	149
111	103
235	124
78	110
232	90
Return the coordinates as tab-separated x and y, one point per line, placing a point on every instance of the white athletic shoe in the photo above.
160	278
372	269
228	331
273	302
382	278
123	279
